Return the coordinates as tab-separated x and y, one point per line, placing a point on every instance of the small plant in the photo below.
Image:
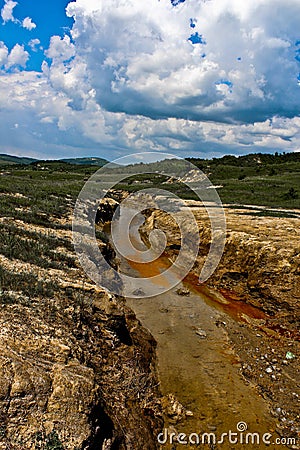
272	172
48	442
291	194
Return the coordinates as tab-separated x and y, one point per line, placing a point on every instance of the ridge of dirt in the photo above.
77	371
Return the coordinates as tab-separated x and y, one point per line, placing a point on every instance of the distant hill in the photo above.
9	159
87	161
91	161
250	160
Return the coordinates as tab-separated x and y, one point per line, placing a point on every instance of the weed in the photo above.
48	442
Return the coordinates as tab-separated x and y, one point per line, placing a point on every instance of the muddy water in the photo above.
197	364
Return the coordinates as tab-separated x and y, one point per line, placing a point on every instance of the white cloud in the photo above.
33	44
48	122
67	72
28	24
7	14
141	62
7	11
3	54
130	81
17	57
61	49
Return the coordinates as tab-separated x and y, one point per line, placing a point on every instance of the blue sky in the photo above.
50	19
108	78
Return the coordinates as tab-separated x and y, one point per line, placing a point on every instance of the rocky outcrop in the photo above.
78	367
106	210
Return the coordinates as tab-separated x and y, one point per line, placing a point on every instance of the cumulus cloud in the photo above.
28	24
221	60
60	49
18	57
48	122
7	11
7	14
67	71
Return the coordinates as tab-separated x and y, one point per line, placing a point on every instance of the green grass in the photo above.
36	248
27	284
51	189
48	194
273	185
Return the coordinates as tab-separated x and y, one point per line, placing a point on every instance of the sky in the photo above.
108	78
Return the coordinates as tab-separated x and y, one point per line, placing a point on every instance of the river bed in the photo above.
196	362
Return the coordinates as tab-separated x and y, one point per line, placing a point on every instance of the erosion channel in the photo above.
201	375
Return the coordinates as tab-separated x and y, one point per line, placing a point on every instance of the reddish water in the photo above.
225	300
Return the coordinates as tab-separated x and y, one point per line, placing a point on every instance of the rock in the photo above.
139	292
106	210
220	323
174	409
106	444
183	291
269	370
51	367
254	249
201	333
290	356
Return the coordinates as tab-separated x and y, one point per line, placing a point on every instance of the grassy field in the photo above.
265	180
34	192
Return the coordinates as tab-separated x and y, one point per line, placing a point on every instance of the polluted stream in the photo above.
198	370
